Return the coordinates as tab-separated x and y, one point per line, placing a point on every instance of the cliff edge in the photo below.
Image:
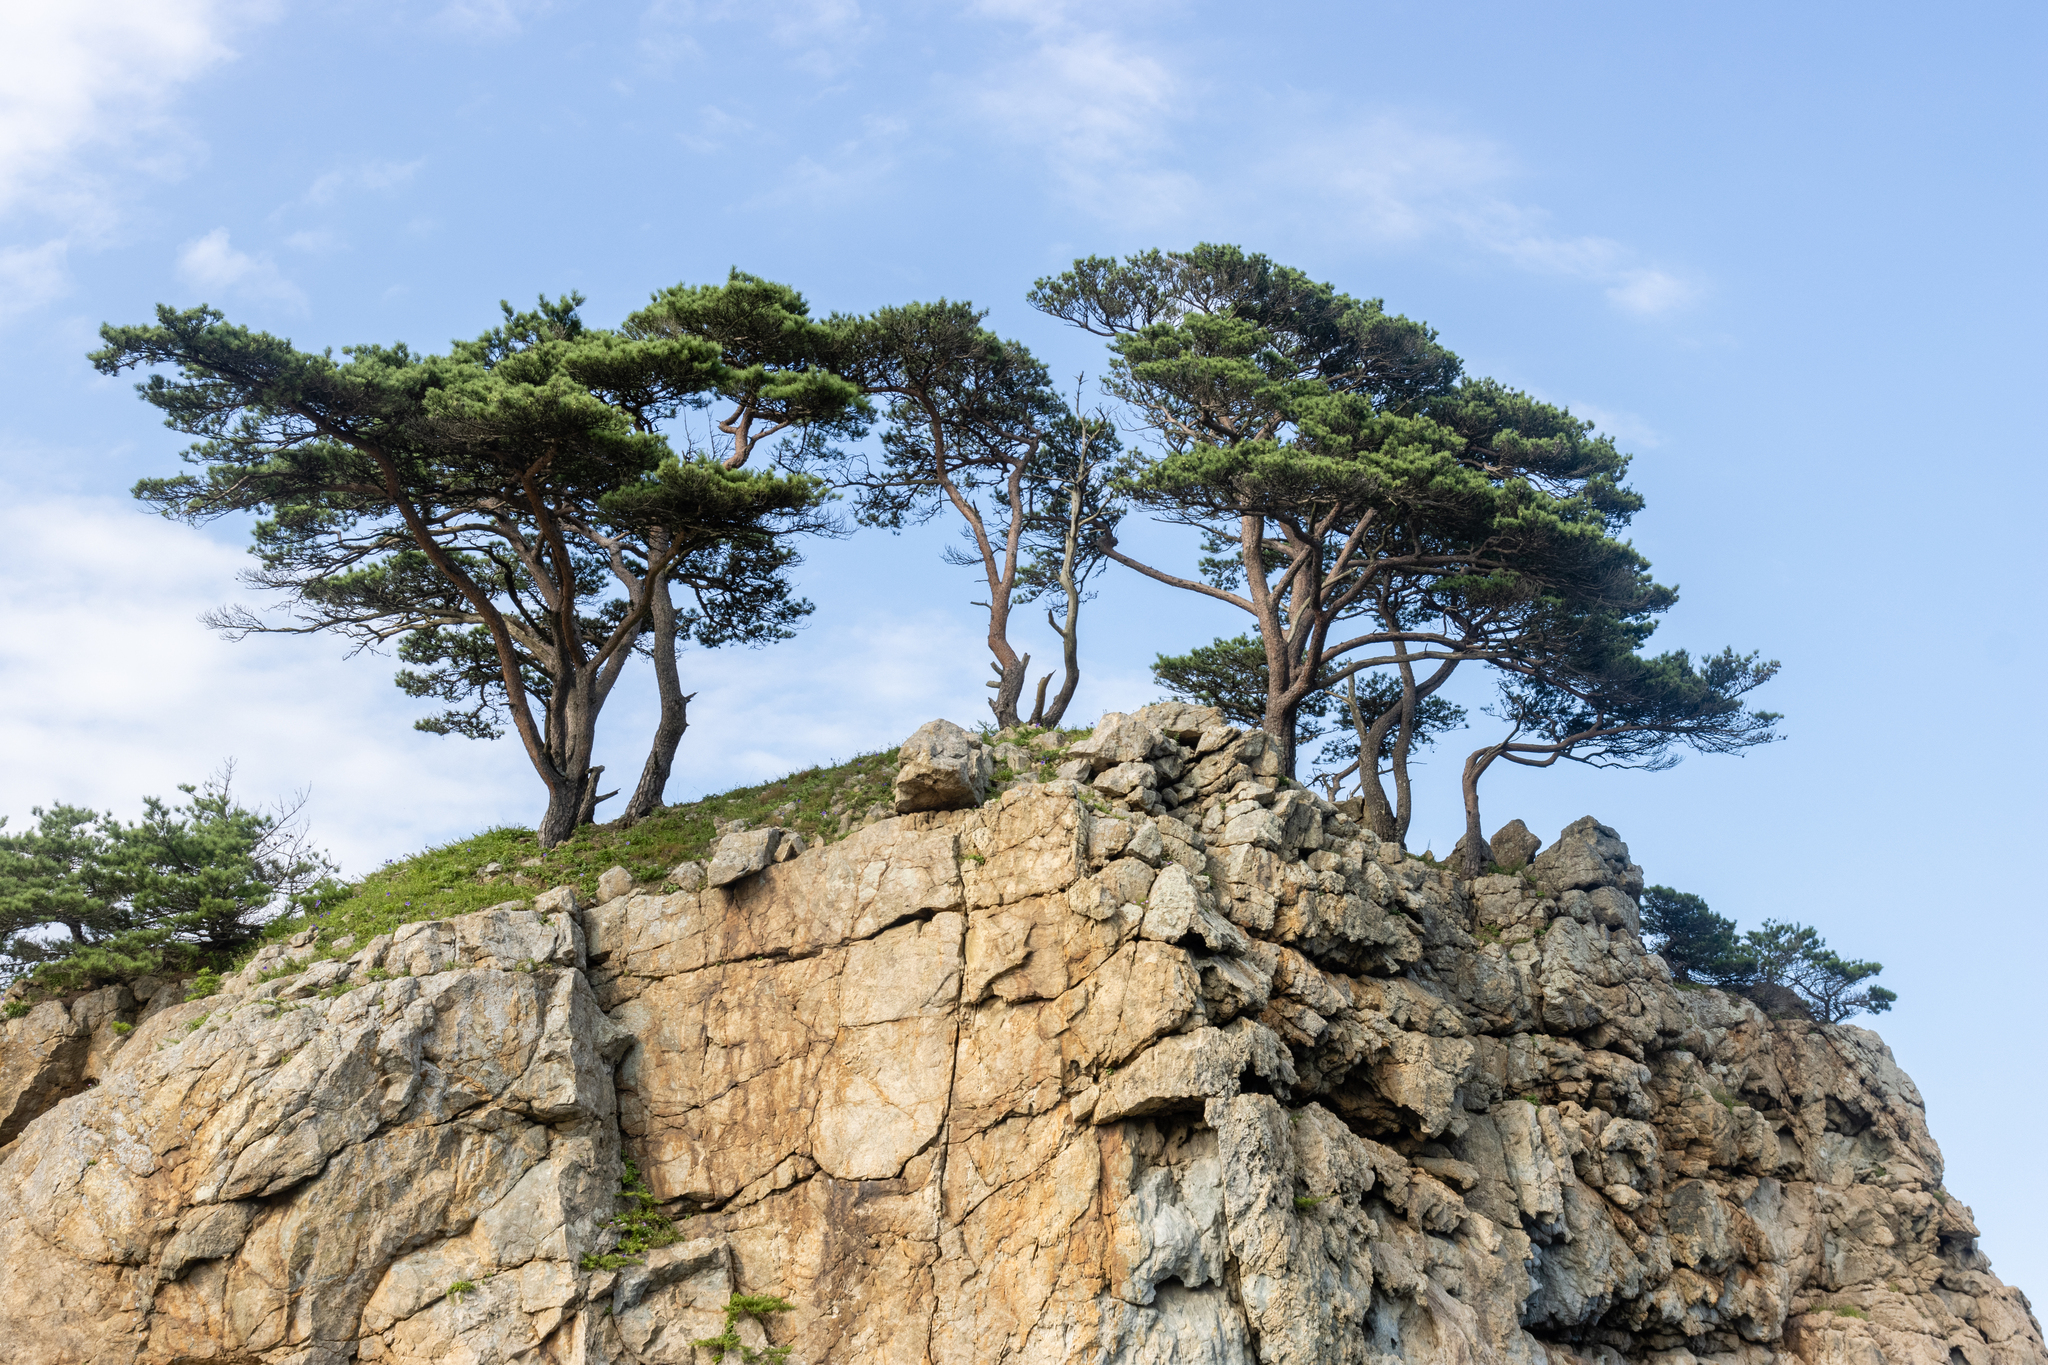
1164	1061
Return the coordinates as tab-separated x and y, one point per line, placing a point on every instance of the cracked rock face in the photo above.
1180	1071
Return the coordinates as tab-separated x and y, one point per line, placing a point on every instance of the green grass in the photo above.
445	881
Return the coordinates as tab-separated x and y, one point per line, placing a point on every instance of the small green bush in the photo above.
122	1028
461	1287
641	1226
203	985
757	1307
17	1008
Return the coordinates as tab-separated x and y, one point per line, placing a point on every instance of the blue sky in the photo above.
1788	256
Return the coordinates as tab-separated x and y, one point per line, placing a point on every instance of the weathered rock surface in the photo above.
1187	1070
942	767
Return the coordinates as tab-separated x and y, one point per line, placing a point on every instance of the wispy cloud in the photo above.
491	18
98	76
1102	111
32	276
1130	133
820	38
86	89
212	264
373	176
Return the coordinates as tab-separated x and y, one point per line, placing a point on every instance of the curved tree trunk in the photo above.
1070	649
1476	764
1379	812
675	711
571	738
1404	739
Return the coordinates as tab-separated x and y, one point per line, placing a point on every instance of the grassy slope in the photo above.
822	804
448	880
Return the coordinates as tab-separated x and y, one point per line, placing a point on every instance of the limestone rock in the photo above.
742	854
1586	855
1513	845
942	767
42	1060
1224	1081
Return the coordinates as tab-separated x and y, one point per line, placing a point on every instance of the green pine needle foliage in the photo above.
757	1307
641	1225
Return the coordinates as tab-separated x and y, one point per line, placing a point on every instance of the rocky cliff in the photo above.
1164	1061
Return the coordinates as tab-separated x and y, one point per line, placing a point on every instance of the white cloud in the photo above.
367	175
1102	111
491	18
32	276
1125	129
1650	291
89	77
213	264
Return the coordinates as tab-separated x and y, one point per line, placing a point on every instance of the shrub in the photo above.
757	1307
87	898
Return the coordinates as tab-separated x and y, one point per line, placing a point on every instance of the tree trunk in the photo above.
571	738
1038	702
565	811
1280	731
1379	812
675	710
588	814
1070	634
1004	703
1404	739
1476	765
1070	649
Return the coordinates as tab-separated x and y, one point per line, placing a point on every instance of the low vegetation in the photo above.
822	804
738	1307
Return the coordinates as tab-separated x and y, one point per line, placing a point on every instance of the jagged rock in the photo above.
1513	845
1587	855
42	1060
1020	1082
942	767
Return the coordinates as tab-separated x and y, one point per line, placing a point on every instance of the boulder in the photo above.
942	767
613	883
1513	845
742	854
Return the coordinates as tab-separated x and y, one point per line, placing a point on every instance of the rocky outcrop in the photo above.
1164	1062
943	767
